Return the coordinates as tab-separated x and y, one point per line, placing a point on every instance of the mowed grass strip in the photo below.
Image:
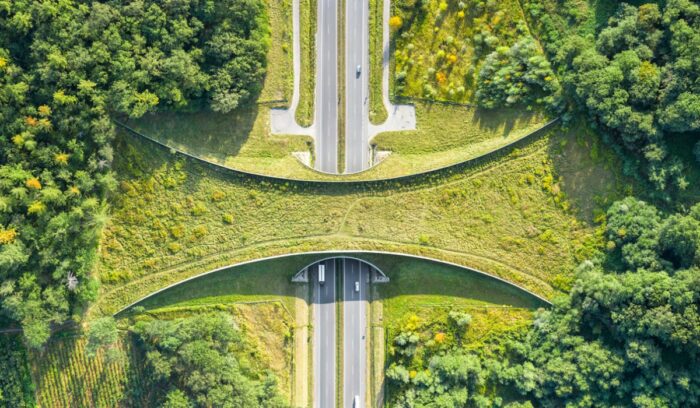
525	217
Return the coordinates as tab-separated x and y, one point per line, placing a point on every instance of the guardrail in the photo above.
366	182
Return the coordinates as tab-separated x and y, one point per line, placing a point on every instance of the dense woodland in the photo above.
627	335
191	363
636	78
67	68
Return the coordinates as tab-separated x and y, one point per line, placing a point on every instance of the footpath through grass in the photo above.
525	217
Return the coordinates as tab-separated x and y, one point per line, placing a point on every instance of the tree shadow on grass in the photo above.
207	134
591	174
271	280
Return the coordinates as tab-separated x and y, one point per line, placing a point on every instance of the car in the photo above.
356	402
321	274
358	70
357	286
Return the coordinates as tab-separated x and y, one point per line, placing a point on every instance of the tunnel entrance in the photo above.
376	275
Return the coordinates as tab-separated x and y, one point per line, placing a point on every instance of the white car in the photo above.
357	286
358	71
356	402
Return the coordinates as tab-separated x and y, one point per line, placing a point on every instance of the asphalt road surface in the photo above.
326	104
356	85
324	337
354	331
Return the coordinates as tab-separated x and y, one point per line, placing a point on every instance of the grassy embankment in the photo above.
377	110
526	217
307	87
446	134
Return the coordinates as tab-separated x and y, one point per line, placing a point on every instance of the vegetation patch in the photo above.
307	87
16	385
447	354
449	134
195	360
63	72
66	376
439	46
501	229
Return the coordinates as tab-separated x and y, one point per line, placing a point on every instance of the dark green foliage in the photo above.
519	75
638	238
630	338
619	340
639	81
64	68
627	335
16	386
192	364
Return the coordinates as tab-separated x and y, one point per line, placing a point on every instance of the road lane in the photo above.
354	331
356	86
324	337
326	104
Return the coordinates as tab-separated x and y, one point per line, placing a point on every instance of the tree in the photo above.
191	359
102	334
622	337
63	72
638	82
517	75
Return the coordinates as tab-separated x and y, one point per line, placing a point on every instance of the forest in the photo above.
66	69
636	79
627	334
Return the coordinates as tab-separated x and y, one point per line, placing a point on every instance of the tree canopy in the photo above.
67	67
638	80
627	335
191	362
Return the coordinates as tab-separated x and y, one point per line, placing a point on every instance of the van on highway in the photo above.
356	402
321	273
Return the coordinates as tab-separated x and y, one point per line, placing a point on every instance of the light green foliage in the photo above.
452	357
519	75
102	335
441	46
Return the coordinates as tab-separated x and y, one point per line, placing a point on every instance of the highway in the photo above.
326	102
356	85
354	331
324	337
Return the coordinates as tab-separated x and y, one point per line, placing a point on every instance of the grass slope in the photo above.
525	217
